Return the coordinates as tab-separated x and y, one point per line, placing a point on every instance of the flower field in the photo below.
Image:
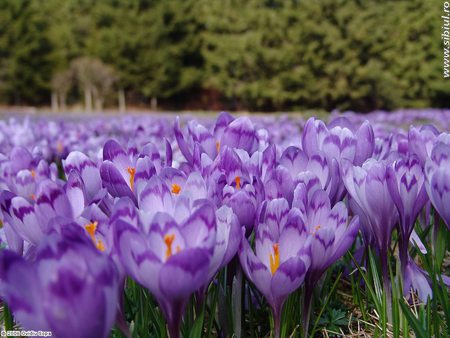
226	226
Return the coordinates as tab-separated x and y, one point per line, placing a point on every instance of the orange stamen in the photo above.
218	146
168	240
91	228
100	246
59	147
176	188
275	259
316	228
132	172
33	173
33	197
238	182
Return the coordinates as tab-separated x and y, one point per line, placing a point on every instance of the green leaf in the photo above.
413	321
197	327
325	303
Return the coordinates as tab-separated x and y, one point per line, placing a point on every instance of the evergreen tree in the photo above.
255	54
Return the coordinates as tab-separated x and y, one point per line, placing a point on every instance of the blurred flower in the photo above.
90	175
340	140
421	140
69	289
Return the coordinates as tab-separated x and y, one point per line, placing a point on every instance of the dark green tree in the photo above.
25	52
230	54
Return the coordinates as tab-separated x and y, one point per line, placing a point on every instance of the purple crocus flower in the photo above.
279	184
197	135
383	147
280	261
171	259
53	202
235	187
259	170
367	185
238	134
174	178
19	159
69	289
225	248
406	184
31	220
13	240
178	199
339	141
327	231
326	170
124	174
25	222
415	278
22	172
437	174
227	240
55	206
260	163
223	120
90	175
421	141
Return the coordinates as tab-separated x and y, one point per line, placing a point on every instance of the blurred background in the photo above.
266	55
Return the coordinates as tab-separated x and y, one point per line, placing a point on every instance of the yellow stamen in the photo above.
91	228
168	240
316	228
238	182
33	173
176	188
100	246
59	147
274	259
132	172
218	146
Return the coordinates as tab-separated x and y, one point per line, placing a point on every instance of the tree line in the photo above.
223	54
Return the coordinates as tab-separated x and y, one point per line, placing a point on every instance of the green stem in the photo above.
237	301
212	310
277	321
8	318
307	298
386	284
